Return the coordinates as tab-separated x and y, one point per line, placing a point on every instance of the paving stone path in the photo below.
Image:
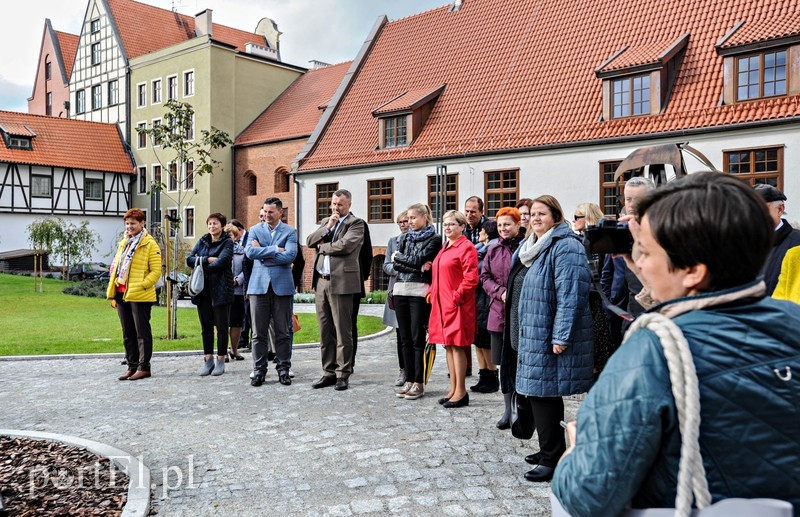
217	446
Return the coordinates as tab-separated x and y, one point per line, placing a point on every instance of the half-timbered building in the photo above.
64	168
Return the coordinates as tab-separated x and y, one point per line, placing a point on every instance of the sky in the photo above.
331	31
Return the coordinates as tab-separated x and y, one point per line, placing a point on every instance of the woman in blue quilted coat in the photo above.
703	241
555	329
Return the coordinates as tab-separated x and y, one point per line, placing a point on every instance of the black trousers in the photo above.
211	318
137	336
244	338
400	359
412	319
548	412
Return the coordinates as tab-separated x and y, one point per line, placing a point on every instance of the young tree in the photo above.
177	144
55	236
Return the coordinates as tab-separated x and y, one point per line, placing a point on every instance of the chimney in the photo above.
456	5
202	23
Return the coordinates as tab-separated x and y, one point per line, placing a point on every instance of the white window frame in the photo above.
139	136
177	178
154	122
97	95
186	222
172	232
42	196
113	100
142	184
80	101
194	86
94	26
185	170
99	48
177	87
153	173
156	99
141	101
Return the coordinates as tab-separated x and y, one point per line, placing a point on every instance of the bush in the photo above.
91	288
376	297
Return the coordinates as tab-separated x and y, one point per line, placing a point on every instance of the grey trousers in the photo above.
271	310
334	314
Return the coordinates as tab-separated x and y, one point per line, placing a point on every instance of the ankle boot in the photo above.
491	382
481	381
505	420
208	366
219	369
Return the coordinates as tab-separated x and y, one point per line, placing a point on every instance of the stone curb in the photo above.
173	353
138	502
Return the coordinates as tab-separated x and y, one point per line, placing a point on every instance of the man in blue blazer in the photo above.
272	247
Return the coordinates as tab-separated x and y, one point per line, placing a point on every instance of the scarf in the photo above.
127	255
531	247
419	235
512	243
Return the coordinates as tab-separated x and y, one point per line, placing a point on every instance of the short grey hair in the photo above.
343	193
641	181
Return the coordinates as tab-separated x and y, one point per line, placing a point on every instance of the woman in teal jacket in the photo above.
744	346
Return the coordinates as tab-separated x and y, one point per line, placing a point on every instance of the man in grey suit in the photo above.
272	248
337	277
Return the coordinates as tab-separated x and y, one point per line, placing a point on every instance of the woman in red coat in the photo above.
452	297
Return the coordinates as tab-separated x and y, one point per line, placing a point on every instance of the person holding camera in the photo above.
555	329
741	342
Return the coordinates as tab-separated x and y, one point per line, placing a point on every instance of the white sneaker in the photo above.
415	392
401	378
402	391
291	374
252	374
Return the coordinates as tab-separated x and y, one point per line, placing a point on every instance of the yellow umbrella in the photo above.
428	358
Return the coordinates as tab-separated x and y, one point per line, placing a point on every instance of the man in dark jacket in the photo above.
365	267
786	237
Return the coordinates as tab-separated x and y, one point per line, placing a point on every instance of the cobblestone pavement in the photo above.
217	446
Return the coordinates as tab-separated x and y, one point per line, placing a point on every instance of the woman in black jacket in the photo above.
412	262
214	251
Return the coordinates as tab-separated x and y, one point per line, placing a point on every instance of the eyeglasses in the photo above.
576	216
450	225
402	222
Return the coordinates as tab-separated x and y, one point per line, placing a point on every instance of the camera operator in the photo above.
635	190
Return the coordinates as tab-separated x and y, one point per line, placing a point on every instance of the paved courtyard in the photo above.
217	446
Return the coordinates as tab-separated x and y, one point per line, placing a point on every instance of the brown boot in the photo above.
128	373
141	374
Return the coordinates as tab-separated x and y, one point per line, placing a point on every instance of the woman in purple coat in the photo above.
494	279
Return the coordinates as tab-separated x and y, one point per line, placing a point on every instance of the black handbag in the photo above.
521	417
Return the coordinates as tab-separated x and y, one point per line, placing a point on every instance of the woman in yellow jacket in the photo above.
134	272
788	287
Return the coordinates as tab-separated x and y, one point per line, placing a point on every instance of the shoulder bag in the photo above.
197	281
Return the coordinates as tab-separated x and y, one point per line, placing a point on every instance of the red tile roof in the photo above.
69	47
522	74
296	112
63	142
774	26
145	28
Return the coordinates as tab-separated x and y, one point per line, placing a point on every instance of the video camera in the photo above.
609	236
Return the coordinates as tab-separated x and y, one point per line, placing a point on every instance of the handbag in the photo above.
390	300
197	281
692	483
522	424
295	323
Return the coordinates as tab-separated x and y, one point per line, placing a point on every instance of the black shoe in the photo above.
284	379
540	473
469	372
491	382
482	379
443	400
257	380
324	382
270	356
458	403
341	384
503	424
533	459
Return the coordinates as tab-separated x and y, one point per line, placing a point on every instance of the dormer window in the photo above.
394	131
638	80
761	75
631	96
401	119
756	61
16	142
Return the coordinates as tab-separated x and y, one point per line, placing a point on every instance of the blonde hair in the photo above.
455	214
591	211
230	228
402	214
421	209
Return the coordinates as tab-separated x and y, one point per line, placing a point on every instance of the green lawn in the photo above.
56	323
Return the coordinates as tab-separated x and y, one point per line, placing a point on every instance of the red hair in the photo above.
135	213
508	211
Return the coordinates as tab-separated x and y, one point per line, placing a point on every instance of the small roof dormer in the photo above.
401	119
17	136
638	79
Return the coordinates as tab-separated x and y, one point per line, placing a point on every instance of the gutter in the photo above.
570	145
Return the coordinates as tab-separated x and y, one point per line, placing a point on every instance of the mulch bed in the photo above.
51	479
